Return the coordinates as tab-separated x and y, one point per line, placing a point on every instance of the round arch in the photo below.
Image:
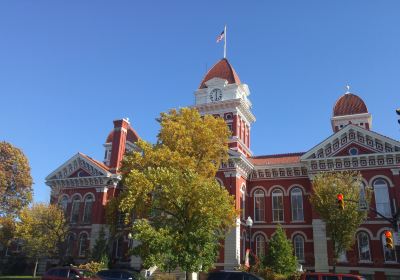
367	231
258	188
87	194
275	187
259	232
76	195
297	186
387	179
297	232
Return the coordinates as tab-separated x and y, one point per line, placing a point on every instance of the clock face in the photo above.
216	95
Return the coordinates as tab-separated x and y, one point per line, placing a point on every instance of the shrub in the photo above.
93	266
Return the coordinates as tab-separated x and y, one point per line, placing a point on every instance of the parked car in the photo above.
62	273
118	274
329	276
232	275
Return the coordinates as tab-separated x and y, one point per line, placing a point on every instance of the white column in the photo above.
320	246
232	248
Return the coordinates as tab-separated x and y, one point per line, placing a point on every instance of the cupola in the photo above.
350	109
222	70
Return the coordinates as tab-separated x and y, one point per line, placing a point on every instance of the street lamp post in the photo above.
249	224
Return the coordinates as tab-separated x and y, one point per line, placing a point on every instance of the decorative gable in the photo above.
79	164
368	142
353	147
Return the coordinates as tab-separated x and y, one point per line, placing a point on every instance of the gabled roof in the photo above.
79	161
276	159
358	131
222	69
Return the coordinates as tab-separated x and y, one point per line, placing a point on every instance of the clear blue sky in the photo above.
69	68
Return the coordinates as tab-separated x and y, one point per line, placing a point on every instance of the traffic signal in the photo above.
389	239
340	201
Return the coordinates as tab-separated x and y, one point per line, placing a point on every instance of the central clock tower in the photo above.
221	94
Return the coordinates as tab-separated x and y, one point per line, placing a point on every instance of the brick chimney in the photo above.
118	143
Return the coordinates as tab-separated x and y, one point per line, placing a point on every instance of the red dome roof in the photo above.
349	104
131	137
224	70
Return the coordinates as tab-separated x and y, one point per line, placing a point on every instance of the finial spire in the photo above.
347	89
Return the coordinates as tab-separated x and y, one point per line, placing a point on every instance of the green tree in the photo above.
341	225
100	248
7	231
15	180
181	211
280	256
43	229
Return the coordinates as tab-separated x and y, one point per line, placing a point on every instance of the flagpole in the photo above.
225	41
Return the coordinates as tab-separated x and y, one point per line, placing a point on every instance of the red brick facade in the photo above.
270	189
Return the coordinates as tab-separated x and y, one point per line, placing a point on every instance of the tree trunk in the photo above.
35	269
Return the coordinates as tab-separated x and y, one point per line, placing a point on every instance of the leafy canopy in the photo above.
181	210
43	229
341	225
280	258
15	180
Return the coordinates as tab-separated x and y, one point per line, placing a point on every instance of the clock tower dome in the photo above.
222	94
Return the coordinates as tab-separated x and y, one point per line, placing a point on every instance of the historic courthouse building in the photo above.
271	189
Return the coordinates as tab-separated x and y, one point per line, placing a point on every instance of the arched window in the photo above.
259	206
83	244
87	211
382	202
364	253
260	245
296	199
242	205
298	242
64	204
277	206
390	254
75	209
70	244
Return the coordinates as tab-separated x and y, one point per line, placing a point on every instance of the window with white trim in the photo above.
277	206
260	245
64	204
298	242
296	202
75	209
390	254
242	205
381	193
70	244
87	210
83	244
259	206
364	252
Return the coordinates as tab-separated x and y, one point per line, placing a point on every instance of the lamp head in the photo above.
249	221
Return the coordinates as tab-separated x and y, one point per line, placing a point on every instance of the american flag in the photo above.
221	36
